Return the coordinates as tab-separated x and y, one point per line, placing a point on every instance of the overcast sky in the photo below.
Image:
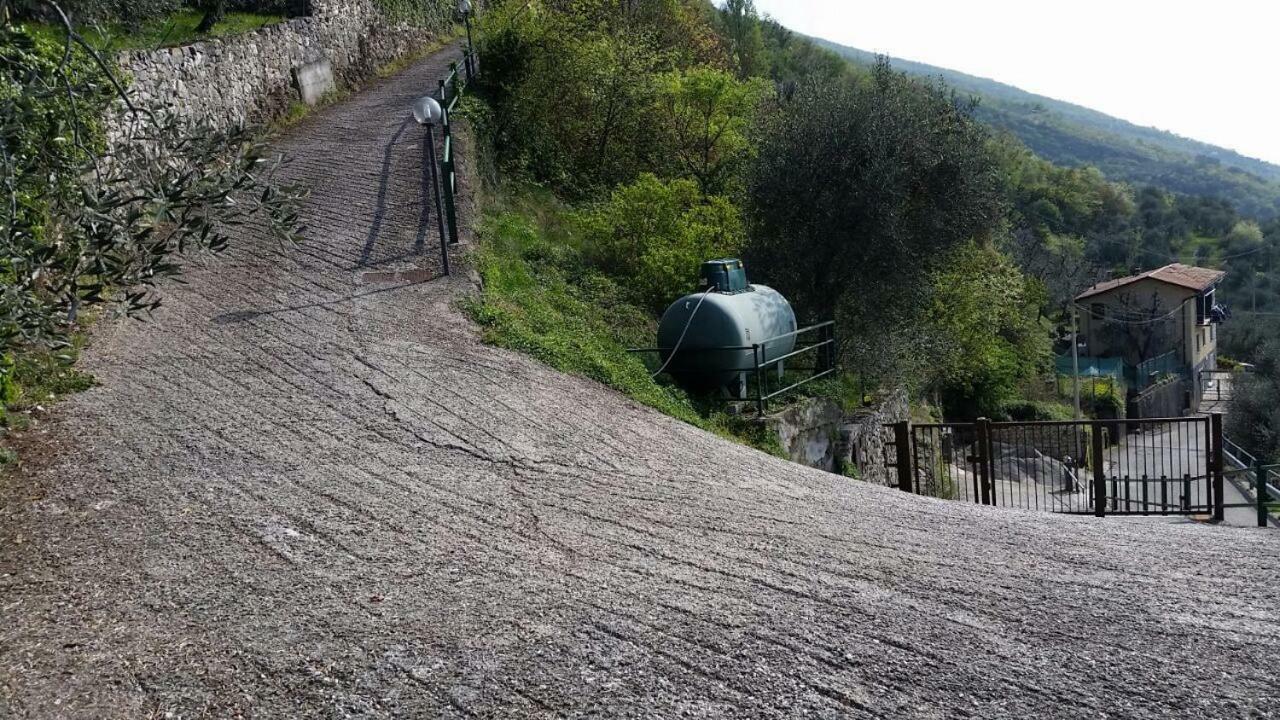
1208	69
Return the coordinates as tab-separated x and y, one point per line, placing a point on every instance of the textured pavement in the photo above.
304	491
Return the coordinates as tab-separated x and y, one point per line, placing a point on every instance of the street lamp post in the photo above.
464	9
428	112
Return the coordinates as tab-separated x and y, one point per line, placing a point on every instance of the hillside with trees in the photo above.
1068	134
946	250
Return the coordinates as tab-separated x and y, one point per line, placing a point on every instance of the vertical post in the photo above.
1146	505
1260	491
1099	481
449	176
902	444
453	73
1215	463
444	100
760	404
1164	495
982	448
430	141
1075	359
466	20
1186	493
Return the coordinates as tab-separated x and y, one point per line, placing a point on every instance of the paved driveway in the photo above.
302	491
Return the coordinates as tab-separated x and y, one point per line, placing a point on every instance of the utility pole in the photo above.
1075	359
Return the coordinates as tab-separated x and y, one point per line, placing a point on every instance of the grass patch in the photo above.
404	61
299	111
173	30
542	299
39	377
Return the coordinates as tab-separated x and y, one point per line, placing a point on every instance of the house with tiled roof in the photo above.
1162	324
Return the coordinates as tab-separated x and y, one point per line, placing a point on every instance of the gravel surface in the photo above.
306	491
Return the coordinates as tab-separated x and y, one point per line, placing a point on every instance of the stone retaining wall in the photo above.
863	437
250	77
817	433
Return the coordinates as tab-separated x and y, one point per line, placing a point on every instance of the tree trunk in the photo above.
214	11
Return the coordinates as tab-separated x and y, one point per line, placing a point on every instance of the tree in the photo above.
85	223
573	91
652	236
1140	325
860	190
987	339
746	45
708	114
214	12
1253	420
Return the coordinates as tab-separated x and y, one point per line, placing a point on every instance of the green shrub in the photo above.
1036	410
651	236
86	12
544	298
1099	397
708	114
575	88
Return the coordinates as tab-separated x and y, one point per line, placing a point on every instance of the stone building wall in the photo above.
251	77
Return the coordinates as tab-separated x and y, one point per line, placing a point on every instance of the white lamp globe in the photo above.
464	7
427	111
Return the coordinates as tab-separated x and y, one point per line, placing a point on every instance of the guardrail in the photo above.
1265	478
450	92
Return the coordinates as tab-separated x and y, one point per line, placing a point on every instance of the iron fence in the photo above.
1148	466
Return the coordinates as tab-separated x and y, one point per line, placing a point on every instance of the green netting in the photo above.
1092	366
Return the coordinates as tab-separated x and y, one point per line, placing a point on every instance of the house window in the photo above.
1204	307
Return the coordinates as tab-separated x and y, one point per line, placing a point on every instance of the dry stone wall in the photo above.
817	433
252	77
863	437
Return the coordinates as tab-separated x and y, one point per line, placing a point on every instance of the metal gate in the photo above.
1150	466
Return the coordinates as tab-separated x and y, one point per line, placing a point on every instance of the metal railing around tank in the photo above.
815	350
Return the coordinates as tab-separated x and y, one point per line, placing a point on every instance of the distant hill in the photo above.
1069	134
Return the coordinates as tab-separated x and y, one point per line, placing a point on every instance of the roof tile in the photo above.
1187	276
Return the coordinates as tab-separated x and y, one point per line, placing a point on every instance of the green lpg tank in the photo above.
725	317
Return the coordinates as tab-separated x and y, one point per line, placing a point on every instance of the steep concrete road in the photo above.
304	492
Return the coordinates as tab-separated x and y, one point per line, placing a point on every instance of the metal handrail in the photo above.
793	386
757	366
802	350
1237	455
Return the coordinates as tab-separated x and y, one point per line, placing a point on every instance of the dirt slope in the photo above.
303	492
